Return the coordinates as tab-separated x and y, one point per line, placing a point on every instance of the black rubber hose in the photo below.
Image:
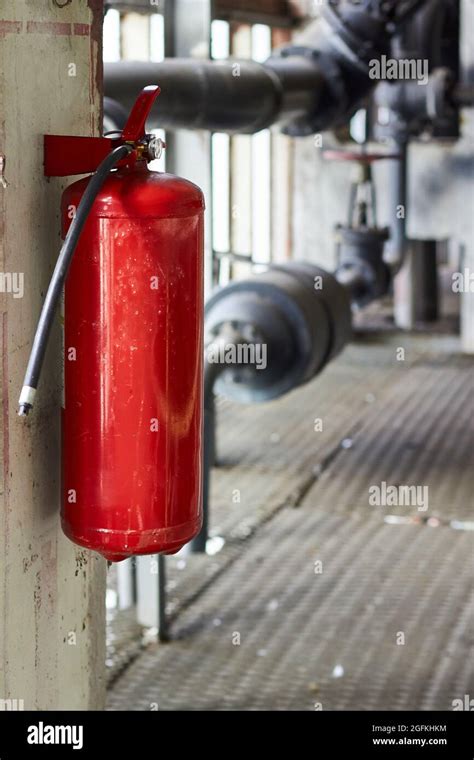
58	279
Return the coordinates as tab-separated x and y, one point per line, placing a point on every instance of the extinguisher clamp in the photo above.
66	155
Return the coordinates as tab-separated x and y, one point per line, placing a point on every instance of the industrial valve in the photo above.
360	242
133	344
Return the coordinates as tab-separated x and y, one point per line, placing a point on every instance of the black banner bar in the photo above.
341	734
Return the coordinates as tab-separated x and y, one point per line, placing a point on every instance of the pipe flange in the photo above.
358	50
335	97
441	84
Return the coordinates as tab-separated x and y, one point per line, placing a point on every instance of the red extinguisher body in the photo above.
133	353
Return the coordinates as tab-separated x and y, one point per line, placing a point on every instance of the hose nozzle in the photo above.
25	402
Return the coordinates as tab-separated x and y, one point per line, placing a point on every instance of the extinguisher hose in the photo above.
58	279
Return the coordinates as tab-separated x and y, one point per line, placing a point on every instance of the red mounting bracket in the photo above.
65	155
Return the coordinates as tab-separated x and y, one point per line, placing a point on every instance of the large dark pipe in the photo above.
222	96
298	313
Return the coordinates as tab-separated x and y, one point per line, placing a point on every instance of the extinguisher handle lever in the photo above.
134	129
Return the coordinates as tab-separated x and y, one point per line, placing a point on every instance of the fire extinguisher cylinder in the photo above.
133	365
133	344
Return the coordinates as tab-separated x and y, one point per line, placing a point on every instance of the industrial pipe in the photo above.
292	320
222	96
300	314
305	87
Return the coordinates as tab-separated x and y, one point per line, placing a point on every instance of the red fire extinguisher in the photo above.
133	344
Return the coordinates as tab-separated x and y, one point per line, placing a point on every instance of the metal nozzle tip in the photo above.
24	409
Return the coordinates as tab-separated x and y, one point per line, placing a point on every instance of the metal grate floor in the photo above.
319	600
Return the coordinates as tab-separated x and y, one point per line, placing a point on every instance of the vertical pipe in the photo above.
187	33
398	199
425	280
125	584
163	633
398	254
198	544
211	373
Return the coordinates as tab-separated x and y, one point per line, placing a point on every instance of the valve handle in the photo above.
134	129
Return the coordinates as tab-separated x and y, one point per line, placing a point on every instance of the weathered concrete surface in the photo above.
51	594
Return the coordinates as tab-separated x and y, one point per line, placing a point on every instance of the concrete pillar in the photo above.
51	592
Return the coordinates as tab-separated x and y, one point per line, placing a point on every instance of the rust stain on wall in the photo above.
10	27
48	27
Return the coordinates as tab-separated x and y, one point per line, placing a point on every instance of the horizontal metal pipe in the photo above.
222	96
